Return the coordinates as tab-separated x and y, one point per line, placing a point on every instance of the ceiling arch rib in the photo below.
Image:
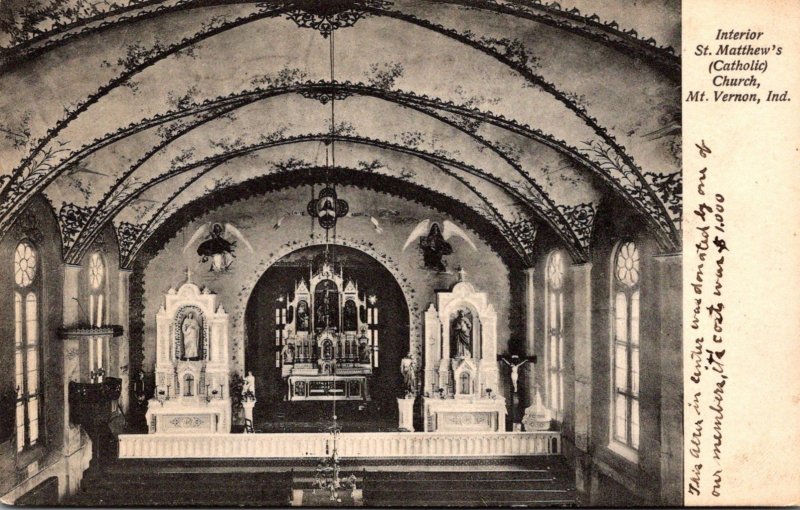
238	169
521	209
604	29
403	122
567	209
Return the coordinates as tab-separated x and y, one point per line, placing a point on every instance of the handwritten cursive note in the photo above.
706	392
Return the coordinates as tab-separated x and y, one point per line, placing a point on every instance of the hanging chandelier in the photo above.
327	208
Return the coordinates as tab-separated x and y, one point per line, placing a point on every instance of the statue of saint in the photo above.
408	367
191	336
288	354
363	351
514	370
462	333
249	387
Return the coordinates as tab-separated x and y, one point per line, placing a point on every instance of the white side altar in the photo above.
461	372
192	393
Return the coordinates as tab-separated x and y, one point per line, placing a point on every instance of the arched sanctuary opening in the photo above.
326	323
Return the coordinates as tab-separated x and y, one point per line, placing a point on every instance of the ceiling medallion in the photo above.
327	208
326	94
326	16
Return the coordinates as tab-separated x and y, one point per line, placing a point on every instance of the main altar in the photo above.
461	374
327	338
192	392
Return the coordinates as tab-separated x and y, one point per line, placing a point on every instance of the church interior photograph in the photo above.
340	253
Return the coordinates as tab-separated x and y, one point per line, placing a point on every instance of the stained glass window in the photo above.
96	272
554	302
26	345
625	367
24	264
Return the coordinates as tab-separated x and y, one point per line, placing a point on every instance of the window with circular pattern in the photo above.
24	264
96	271
627	264
555	270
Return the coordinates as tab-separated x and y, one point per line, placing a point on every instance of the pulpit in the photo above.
461	372
192	365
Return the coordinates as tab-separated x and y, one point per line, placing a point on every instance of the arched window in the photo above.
554	330
27	333
97	286
625	345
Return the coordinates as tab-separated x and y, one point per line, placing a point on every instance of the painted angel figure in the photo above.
216	248
434	244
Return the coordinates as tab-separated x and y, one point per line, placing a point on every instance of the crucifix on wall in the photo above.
515	362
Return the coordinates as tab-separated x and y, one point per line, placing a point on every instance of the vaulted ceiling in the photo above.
528	113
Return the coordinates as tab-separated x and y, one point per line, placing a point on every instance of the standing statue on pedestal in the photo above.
462	332
249	387
408	367
191	336
514	370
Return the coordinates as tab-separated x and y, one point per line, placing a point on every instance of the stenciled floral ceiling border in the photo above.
656	196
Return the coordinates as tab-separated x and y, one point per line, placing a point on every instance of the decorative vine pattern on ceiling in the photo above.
278	168
654	194
582	217
71	219
210	109
127	234
538	196
326	17
50	26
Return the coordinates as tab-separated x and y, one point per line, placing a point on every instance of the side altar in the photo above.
192	392
461	371
327	338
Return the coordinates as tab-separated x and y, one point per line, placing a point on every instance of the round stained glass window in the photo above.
96	270
24	264
555	270
627	265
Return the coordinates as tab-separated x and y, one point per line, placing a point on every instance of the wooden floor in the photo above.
518	482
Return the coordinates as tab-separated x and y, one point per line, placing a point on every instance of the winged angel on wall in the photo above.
216	248
434	243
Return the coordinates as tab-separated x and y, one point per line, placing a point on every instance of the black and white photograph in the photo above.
338	253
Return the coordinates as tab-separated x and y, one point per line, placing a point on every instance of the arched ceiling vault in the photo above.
505	99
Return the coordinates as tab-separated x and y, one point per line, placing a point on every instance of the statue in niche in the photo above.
350	318
302	316
408	368
461	332
288	354
363	350
190	328
327	350
326	301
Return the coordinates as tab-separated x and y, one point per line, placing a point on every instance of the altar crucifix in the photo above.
515	362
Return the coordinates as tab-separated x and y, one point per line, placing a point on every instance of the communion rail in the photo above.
354	445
